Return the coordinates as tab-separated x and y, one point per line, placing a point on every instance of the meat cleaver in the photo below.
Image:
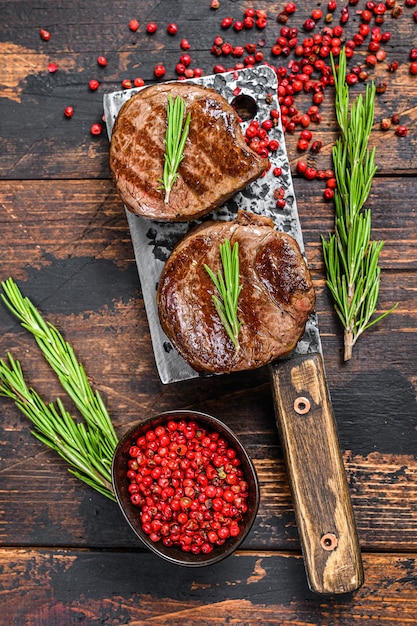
318	483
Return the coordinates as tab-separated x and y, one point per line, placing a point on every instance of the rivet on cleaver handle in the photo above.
317	476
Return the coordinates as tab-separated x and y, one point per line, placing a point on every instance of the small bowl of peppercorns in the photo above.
186	486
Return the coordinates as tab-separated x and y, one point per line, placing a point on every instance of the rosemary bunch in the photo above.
87	446
175	138
350	257
228	285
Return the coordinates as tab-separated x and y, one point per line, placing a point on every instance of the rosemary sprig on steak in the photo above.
228	285
350	257
87	446
175	138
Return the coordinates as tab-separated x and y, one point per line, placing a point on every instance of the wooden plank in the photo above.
54	587
86	219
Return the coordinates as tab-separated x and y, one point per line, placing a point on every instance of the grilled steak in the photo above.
217	161
276	299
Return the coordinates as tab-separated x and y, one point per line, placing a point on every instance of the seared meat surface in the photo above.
276	300
217	161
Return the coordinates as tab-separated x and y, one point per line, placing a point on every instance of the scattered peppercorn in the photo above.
310	173
45	34
69	111
401	131
351	79
309	24
392	67
302	144
172	29
227	22
185	59
96	129
301	167
328	193
159	71
381	87
316	146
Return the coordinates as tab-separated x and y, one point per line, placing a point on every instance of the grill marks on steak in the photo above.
217	161
276	300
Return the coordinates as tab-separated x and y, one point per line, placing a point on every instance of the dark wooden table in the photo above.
67	555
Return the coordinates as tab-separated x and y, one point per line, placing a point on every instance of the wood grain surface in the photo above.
67	555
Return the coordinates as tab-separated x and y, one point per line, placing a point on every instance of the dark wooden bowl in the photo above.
131	512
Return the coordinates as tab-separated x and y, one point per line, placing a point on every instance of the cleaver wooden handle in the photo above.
321	499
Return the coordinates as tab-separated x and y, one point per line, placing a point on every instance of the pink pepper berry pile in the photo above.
298	50
188	485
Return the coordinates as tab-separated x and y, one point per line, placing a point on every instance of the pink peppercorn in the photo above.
401	131
96	129
328	194
45	34
172	29
159	71
227	22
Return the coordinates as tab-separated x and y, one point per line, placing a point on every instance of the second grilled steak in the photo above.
276	300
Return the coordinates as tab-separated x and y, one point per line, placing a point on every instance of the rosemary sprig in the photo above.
350	257
227	283
89	446
175	138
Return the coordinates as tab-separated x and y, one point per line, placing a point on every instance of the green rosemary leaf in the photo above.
350	257
86	446
54	426
175	137
227	283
